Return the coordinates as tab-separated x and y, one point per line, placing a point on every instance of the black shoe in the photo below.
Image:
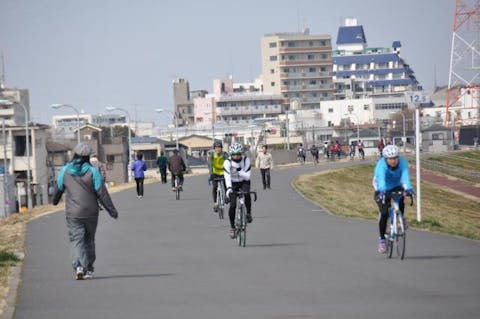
249	218
264	187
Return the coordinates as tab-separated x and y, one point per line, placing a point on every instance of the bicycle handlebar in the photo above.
240	192
395	194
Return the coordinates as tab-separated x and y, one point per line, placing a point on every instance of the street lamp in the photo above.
404	139
176	123
27	141
130	153
58	106
358	127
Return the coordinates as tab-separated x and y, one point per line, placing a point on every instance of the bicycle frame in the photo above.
220	196
396	235
240	216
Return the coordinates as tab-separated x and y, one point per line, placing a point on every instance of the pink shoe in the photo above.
382	246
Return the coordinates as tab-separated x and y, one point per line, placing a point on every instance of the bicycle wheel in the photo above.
177	189
240	226
400	239
220	202
389	241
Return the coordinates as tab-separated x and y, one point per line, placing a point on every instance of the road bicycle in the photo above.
241	216
396	228
220	203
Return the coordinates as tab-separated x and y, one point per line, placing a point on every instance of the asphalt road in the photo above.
173	259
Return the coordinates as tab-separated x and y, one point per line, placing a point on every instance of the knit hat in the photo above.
83	149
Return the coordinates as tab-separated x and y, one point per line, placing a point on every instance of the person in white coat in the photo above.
237	171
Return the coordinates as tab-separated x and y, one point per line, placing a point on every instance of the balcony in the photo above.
306	62
319	49
306	75
310	87
249	110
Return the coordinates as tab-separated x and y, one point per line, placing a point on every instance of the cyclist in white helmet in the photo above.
391	174
237	177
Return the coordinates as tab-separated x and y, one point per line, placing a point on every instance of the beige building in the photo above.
299	67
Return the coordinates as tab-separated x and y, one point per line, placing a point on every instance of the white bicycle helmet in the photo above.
236	148
390	151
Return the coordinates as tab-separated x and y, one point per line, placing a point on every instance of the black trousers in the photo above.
163	174
180	177
244	186
139	182
383	209
265	177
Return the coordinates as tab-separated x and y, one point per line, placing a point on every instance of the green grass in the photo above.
466	160
348	192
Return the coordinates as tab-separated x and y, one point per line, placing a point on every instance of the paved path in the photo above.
455	184
173	259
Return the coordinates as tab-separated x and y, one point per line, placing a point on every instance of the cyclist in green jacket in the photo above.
216	157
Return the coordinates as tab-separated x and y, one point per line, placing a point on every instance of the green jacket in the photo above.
162	162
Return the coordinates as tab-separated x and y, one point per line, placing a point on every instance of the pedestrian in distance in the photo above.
361	151
83	187
138	168
162	166
264	162
99	165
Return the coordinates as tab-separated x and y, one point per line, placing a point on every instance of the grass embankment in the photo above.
348	192
469	160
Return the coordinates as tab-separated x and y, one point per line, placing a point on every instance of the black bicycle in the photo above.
241	216
220	203
178	187
396	230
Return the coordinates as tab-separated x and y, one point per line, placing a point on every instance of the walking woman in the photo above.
138	167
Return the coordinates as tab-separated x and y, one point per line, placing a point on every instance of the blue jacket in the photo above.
138	167
385	178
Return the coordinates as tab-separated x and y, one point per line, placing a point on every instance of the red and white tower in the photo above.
463	93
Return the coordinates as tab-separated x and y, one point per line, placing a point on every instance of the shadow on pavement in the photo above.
133	276
275	245
433	257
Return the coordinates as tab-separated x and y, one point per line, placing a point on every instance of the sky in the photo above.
97	53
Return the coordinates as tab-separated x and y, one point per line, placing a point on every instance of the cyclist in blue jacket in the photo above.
391	174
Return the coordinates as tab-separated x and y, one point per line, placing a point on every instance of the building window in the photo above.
313	82
273	58
272	83
330	110
366	107
273	44
291	57
310	56
110	158
272	71
291	44
311	43
323	43
311	70
20	145
437	136
286	70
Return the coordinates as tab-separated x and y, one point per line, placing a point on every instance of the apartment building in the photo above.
362	72
182	102
298	66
